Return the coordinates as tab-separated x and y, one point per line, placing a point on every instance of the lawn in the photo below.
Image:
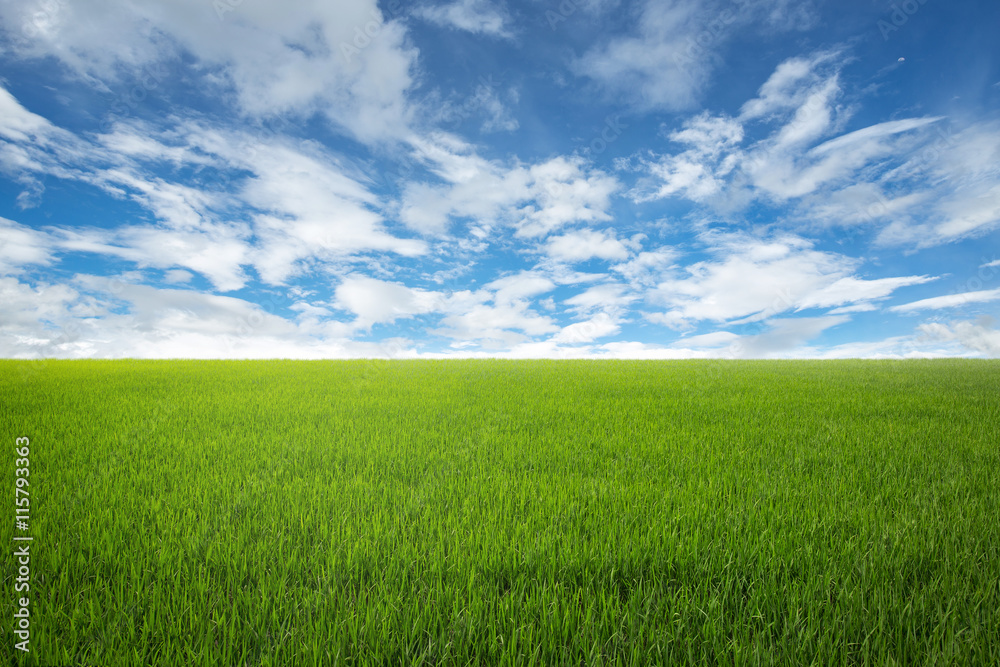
507	512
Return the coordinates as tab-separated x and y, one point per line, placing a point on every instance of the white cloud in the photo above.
30	311
656	67
713	340
310	208
60	321
610	298
790	86
599	326
851	289
21	246
648	267
921	181
109	318
949	301
498	326
709	135
519	286
639	350
33	145
101	317
486	101
217	253
666	62
753	279
679	174
509	321
785	175
303	203
536	199
475	16
177	276
958	178
343	59
775	338
784	336
978	209
18	124
584	244
977	336
859	203
856	308
376	301
563	192
697	173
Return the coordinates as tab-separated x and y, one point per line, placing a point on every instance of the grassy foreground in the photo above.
509	513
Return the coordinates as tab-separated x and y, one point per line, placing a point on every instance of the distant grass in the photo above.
509	513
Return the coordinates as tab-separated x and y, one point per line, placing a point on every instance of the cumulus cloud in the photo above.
599	326
647	267
612	299
979	336
497	326
535	200
376	301
584	244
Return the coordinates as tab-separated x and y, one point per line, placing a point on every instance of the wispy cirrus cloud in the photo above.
881	175
949	301
475	16
750	280
275	208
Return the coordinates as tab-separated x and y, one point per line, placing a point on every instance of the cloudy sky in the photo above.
530	178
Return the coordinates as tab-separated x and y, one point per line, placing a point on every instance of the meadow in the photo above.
507	512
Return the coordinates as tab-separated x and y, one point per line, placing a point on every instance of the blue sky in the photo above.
584	178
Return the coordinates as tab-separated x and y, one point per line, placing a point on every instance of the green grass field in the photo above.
507	512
